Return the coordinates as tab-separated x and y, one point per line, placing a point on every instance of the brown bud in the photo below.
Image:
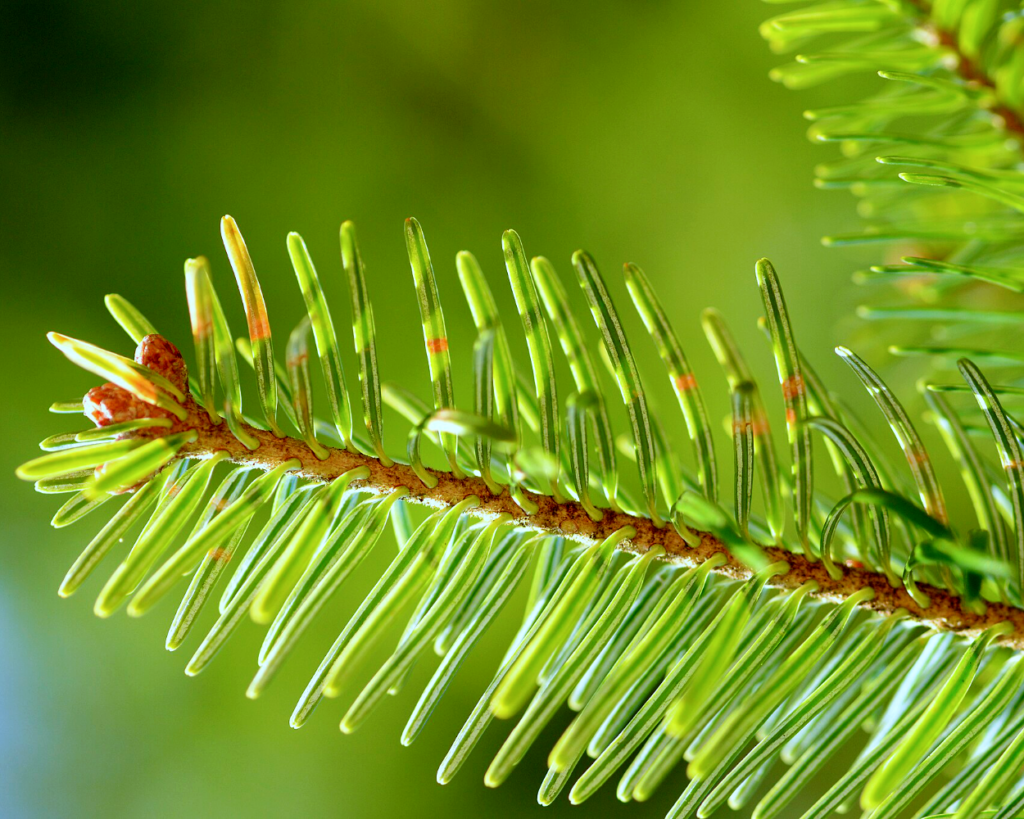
161	356
110	404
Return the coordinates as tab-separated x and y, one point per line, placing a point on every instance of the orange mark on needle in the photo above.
259	327
916	454
201	328
686	382
793	387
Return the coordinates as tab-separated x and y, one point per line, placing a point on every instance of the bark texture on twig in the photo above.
571	520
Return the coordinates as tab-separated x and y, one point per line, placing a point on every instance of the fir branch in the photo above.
570	519
718	638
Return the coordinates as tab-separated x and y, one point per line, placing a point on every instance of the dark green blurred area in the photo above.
646	132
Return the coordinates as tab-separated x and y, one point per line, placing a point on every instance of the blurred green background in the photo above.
642	131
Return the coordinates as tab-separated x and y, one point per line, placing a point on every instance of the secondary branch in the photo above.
972	71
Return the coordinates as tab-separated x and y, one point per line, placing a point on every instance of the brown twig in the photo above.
571	520
968	69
